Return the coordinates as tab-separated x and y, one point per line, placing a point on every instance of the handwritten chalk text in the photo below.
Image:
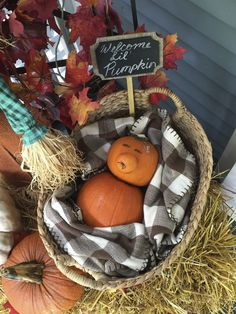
127	55
111	68
121	46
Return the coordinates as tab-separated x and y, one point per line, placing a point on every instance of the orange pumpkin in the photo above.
106	201
39	288
133	160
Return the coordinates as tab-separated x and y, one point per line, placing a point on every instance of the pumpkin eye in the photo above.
138	151
126	145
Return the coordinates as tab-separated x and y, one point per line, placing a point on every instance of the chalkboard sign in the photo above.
127	55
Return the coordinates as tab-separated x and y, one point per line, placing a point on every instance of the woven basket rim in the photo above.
204	160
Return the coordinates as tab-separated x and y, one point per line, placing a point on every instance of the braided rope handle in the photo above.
142	96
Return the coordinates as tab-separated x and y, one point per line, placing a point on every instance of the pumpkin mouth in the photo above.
126	162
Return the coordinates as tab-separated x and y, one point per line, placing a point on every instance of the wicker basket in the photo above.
194	137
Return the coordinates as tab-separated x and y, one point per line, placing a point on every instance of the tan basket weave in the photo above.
194	137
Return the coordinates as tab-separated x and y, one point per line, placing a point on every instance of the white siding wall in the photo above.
206	78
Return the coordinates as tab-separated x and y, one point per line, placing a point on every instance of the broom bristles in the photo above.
53	161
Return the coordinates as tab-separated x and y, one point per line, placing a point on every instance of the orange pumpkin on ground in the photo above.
106	201
133	160
47	290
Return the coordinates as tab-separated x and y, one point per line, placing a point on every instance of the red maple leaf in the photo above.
53	25
104	8
77	74
159	79
88	27
82	56
15	26
171	53
38	9
140	29
155	98
114	20
23	92
80	106
34	36
38	73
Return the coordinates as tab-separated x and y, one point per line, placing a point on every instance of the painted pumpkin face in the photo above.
133	160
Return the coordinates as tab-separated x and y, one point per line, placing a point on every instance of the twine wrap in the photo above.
19	117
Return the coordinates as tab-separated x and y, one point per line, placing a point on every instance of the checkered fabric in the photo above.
129	249
18	116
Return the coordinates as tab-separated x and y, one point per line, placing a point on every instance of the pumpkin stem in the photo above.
28	271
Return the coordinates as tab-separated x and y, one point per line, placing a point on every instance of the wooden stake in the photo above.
130	95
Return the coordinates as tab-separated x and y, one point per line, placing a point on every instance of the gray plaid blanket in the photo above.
128	250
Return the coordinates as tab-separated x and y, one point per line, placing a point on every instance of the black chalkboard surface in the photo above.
127	55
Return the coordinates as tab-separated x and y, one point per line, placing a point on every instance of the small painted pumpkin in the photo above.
106	201
32	282
133	160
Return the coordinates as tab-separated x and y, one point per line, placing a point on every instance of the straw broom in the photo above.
51	157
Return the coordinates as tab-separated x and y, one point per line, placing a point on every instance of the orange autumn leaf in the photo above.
88	3
77	74
77	71
38	74
171	38
63	89
81	106
171	53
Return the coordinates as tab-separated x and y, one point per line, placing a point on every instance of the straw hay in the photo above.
53	161
202	281
3	300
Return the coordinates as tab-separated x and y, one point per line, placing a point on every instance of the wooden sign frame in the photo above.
153	35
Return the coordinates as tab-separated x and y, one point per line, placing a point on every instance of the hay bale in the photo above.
201	281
